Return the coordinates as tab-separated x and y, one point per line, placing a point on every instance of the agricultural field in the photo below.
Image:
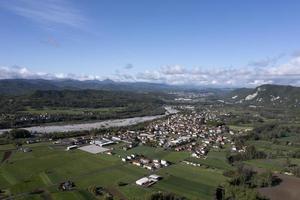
270	147
37	174
154	153
190	181
276	164
215	159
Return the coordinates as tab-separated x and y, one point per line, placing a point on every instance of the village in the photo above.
188	131
185	131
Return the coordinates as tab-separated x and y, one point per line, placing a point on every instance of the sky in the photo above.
205	43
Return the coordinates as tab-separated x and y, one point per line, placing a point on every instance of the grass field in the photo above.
154	153
277	164
240	127
215	159
189	181
45	167
268	146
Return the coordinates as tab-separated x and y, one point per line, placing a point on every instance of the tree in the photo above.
19	133
264	179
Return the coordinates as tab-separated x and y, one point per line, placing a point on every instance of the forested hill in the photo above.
25	86
76	105
77	99
90	98
267	95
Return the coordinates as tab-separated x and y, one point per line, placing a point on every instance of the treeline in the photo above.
17	134
242	184
250	153
23	119
14	113
272	130
89	98
76	99
165	196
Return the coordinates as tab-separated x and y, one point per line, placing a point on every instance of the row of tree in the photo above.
250	153
242	184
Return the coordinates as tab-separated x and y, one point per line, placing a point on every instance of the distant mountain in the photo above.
266	95
23	86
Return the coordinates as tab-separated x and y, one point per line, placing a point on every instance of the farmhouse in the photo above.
155	177
148	181
102	142
71	147
142	181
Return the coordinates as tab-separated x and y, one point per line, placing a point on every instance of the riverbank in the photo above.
95	125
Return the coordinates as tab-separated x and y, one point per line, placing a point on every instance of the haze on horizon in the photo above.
207	43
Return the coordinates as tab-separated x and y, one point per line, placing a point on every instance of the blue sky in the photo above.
178	42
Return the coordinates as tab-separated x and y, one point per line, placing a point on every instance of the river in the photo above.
95	125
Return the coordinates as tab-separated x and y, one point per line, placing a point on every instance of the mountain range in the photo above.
24	86
266	95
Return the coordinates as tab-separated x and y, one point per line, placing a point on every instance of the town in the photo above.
185	131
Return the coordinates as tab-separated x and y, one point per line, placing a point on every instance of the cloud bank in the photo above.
287	73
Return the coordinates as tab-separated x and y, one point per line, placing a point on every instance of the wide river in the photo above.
95	125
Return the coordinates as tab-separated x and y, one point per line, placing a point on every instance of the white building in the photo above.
71	147
155	177
142	181
102	142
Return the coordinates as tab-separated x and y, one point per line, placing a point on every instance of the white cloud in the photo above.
47	12
16	72
286	73
172	70
249	76
290	68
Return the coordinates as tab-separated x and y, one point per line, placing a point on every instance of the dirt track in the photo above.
116	193
288	189
6	156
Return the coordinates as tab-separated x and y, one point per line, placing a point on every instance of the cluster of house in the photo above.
148	181
142	161
47	116
186	132
29	117
179	132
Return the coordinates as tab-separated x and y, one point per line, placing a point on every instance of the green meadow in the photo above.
42	169
215	159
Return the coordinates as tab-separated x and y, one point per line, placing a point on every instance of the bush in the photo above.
122	184
165	196
19	133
